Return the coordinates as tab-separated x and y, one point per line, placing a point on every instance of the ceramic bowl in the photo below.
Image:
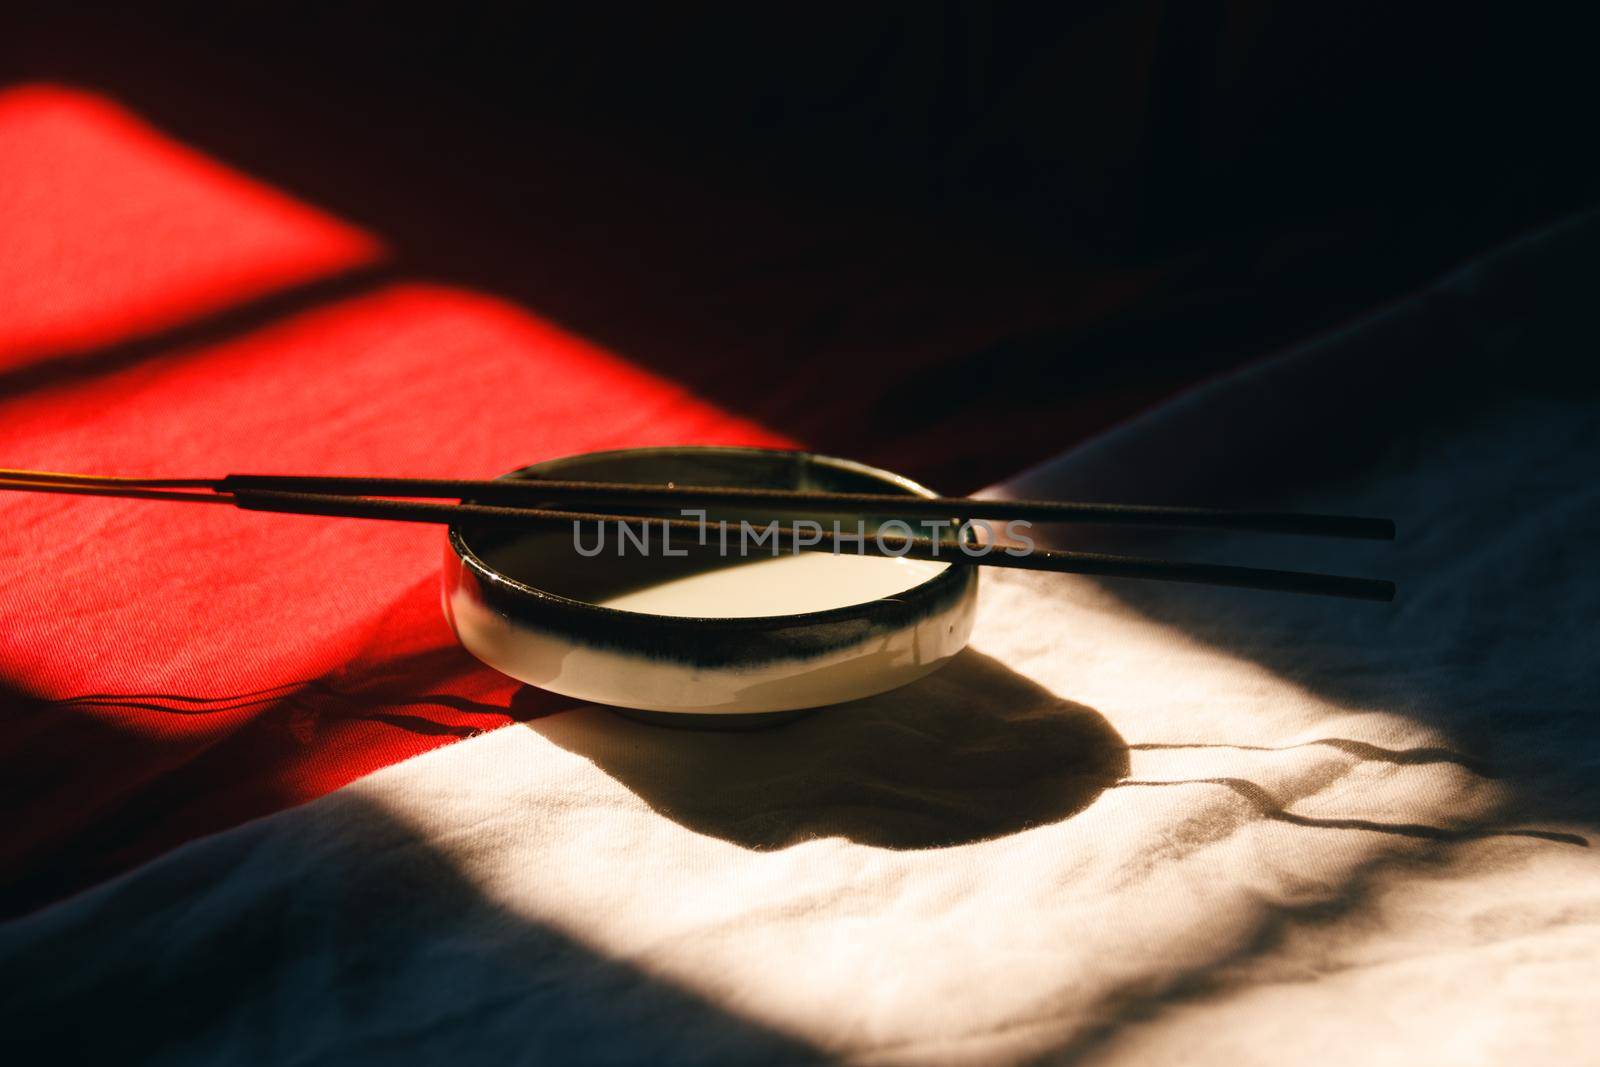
535	622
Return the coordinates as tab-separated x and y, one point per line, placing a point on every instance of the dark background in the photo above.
948	238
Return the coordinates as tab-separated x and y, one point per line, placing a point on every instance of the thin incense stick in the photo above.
534	492
889	545
537	491
789	536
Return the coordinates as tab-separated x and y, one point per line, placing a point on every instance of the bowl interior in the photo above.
556	561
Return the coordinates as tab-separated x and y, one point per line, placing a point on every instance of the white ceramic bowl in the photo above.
526	605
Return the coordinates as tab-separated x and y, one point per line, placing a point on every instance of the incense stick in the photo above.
536	492
533	492
788	536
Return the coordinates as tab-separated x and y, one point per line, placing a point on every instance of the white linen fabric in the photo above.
1134	824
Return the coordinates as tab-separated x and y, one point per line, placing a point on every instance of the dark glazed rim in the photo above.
933	590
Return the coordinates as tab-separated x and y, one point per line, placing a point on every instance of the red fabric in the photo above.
172	670
110	229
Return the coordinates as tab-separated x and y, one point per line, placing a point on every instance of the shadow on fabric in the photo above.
1459	413
294	942
971	752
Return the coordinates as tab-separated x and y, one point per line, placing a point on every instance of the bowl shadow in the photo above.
971	752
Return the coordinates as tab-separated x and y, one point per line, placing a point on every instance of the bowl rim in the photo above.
955	572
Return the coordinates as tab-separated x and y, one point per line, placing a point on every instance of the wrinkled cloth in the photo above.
1132	824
